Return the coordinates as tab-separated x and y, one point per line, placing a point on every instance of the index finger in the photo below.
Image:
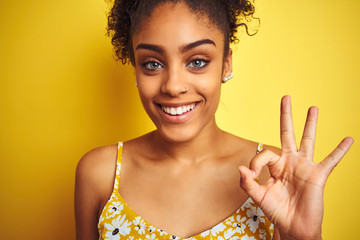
287	134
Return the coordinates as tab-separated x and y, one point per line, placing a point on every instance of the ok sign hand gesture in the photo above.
292	198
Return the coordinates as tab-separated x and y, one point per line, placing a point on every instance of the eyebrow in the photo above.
151	47
182	49
189	46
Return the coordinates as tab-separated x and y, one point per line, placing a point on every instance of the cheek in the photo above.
147	88
211	92
210	87
145	94
211	81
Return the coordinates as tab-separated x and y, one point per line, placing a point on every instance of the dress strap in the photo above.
118	166
260	147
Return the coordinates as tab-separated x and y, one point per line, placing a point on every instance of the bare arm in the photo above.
86	203
93	186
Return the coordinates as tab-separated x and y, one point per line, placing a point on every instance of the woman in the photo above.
181	181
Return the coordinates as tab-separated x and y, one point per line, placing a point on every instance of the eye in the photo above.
152	65
198	63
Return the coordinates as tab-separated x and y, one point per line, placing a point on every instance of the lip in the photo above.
176	119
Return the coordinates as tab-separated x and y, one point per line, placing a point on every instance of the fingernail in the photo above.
253	173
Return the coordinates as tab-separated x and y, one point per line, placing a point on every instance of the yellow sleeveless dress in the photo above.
118	221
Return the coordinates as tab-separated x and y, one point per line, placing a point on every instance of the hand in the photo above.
292	198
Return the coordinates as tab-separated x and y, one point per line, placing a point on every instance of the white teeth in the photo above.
178	110
184	108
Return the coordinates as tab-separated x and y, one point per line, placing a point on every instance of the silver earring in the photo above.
228	78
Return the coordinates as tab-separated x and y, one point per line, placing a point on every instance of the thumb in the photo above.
250	185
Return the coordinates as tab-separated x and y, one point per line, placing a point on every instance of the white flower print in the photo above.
140	225
215	230
218	228
255	216
246	237
254	210
152	236
151	229
239	224
101	219
112	233
230	220
161	232
115	209
174	237
229	235
262	234
247	204
118	169
117	227
124	225
271	228
253	225
206	233
116	183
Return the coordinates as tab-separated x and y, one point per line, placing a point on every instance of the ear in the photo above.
227	68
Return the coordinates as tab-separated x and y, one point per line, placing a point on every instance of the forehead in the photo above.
172	25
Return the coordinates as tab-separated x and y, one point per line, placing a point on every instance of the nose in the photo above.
174	83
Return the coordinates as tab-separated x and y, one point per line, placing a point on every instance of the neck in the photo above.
203	146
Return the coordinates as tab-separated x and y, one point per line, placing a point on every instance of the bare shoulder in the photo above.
247	149
243	148
95	174
275	150
98	157
98	163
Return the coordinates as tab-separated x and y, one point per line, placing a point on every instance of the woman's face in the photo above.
179	63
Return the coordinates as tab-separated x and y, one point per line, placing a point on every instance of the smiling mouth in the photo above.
179	110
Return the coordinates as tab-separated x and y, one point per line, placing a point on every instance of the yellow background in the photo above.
62	94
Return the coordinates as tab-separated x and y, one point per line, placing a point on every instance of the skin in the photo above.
180	61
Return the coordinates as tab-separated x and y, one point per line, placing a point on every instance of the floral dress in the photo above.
118	221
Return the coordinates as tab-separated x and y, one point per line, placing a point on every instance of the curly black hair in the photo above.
126	17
